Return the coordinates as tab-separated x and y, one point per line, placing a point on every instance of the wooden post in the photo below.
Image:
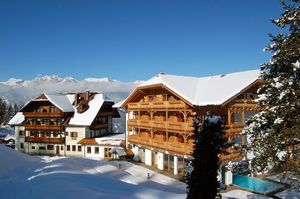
243	116
229	116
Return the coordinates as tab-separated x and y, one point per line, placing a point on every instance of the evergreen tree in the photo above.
275	132
209	143
8	114
2	111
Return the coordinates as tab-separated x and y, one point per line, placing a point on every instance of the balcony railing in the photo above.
243	103
235	127
99	126
182	148
232	156
44	140
43	127
188	126
161	104
42	114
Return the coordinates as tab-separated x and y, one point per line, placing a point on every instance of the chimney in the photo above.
76	99
87	93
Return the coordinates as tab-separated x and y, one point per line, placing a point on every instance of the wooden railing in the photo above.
235	127
44	140
162	104
188	126
181	148
234	154
107	113
41	114
43	127
99	126
243	103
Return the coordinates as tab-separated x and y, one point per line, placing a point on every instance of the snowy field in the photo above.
23	176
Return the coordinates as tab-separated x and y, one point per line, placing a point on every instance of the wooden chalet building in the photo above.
160	115
66	124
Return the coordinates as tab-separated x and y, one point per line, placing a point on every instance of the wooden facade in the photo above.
48	129
44	122
162	120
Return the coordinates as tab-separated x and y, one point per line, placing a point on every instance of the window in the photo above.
89	150
33	147
74	135
50	147
67	133
55	134
73	147
107	154
68	147
42	148
52	109
79	148
62	148
22	145
96	150
21	133
32	134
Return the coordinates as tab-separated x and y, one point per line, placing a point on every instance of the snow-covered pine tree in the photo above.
275	132
209	143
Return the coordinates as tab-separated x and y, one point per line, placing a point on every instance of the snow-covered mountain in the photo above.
20	91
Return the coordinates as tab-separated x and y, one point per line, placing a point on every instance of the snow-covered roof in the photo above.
17	119
61	101
118	105
86	118
108	141
213	90
118	150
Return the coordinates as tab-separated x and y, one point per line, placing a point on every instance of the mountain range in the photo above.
20	91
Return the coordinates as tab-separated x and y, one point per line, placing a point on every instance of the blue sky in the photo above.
132	40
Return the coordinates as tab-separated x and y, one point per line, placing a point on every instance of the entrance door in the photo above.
154	159
57	150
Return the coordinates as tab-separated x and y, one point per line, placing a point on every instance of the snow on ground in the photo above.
288	194
23	176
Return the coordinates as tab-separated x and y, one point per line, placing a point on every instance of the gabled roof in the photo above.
65	102
86	118
203	91
59	100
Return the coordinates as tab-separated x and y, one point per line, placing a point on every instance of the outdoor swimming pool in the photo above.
254	184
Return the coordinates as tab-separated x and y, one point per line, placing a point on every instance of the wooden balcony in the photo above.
44	140
41	114
236	127
43	127
180	148
99	126
182	126
175	147
157	105
232	156
243	103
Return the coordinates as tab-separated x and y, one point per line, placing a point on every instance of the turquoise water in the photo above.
253	184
